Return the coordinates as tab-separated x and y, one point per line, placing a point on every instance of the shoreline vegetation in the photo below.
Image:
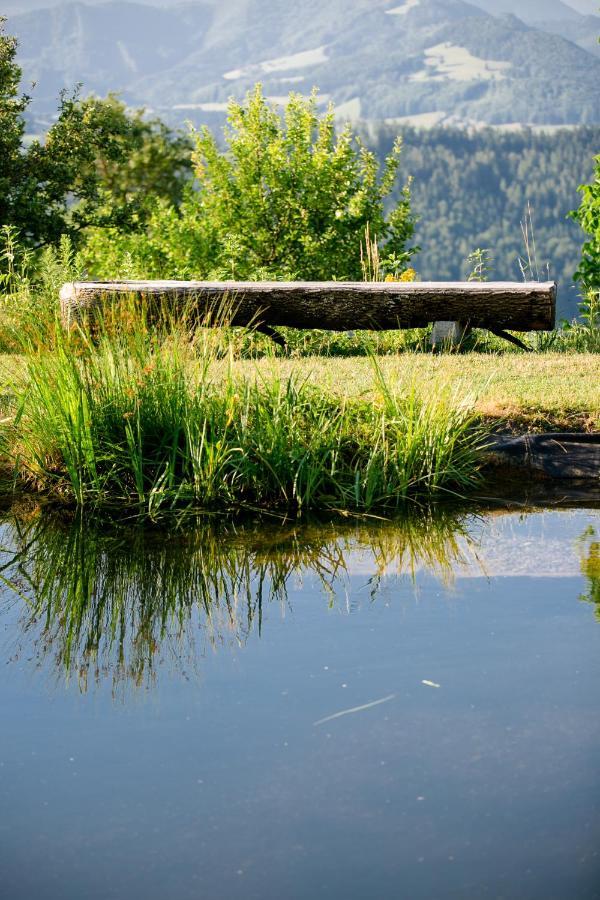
150	418
139	419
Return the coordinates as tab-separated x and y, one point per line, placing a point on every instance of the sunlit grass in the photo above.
149	420
515	391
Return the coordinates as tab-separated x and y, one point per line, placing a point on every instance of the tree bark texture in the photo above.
335	305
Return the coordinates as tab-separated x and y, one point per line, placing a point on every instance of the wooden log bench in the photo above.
338	305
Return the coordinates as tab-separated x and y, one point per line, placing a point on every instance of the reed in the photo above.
136	418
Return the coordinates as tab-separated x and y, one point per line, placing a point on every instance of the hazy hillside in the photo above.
529	10
377	59
526	9
586	7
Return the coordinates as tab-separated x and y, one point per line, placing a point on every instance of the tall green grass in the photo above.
143	419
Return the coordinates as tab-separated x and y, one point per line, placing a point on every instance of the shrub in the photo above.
588	216
287	198
147	421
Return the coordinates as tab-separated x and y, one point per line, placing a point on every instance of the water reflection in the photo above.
589	552
412	728
120	605
97	605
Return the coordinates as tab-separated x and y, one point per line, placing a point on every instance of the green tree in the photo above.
98	164
287	197
153	162
588	216
472	189
290	196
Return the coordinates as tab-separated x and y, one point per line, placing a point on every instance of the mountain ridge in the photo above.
376	59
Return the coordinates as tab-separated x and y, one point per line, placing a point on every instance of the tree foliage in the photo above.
472	189
588	216
98	164
288	197
292	196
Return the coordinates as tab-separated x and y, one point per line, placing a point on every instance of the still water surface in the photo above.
403	710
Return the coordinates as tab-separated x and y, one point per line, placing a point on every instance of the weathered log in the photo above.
338	305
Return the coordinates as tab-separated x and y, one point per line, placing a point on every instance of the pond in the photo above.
359	709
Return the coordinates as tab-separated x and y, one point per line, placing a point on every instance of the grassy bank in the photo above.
509	392
152	422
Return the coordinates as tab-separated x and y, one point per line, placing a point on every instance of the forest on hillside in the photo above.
471	189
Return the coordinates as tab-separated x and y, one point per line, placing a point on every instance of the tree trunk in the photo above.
336	305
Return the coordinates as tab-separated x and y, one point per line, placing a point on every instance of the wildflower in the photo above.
407	275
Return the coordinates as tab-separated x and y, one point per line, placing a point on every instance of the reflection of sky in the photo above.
535	544
220	785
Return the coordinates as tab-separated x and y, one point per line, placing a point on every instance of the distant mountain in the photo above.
525	9
582	31
585	7
530	10
398	60
581	27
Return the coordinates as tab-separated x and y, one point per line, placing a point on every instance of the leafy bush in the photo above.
288	198
588	216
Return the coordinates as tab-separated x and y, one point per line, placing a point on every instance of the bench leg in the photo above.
510	338
448	335
274	335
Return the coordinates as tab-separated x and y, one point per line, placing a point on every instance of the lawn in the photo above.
512	391
541	391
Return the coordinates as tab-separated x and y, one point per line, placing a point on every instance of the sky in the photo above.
582	6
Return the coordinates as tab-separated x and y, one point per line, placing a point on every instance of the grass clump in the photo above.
512	392
138	419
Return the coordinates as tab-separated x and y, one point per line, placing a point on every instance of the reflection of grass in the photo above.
589	551
117	605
